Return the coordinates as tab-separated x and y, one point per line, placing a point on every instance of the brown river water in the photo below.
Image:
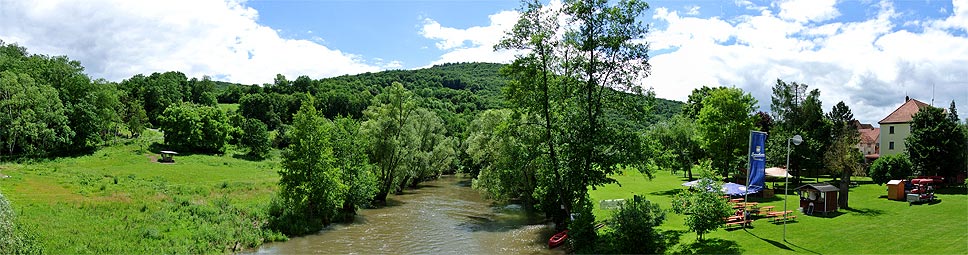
444	216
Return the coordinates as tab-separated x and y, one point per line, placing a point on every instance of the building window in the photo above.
892	132
890	146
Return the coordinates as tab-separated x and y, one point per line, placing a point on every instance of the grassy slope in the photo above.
873	225
118	200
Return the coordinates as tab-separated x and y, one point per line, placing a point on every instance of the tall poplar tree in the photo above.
577	59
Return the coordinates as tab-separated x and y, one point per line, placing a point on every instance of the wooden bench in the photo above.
738	223
784	218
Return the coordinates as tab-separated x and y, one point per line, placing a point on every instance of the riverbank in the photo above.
119	200
873	224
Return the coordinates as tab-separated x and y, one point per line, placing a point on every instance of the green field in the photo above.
873	224
119	200
229	107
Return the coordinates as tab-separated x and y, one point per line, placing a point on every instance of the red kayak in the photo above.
557	239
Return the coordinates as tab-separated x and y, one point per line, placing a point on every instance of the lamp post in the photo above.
796	139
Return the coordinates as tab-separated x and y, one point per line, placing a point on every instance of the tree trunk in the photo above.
844	189
381	197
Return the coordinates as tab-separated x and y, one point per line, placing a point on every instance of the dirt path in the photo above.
152	158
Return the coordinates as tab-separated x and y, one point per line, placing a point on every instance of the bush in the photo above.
891	167
14	239
195	128
635	228
255	137
581	231
704	206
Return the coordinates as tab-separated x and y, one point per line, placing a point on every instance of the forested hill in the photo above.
456	88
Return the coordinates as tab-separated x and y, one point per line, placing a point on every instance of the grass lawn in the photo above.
119	200
873	224
228	107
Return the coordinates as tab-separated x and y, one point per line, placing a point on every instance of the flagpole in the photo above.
749	173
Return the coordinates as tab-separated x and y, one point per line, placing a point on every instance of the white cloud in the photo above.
808	10
687	30
957	20
474	44
869	64
117	39
692	10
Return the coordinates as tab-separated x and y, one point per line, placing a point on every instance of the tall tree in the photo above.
936	144
568	76
428	151
694	102
357	172
309	181
33	120
386	121
678	144
797	111
498	144
842	156
724	126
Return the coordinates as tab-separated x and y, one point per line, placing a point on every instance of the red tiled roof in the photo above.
869	135
904	113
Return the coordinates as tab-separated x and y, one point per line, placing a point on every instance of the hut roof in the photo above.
820	187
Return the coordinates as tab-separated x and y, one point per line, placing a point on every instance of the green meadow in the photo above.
120	200
873	224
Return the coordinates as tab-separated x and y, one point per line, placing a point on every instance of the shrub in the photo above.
14	239
635	228
195	128
891	167
255	137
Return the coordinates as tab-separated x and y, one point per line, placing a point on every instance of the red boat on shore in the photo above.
557	239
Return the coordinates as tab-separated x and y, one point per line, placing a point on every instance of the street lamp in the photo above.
796	139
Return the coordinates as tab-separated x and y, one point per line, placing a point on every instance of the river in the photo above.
444	216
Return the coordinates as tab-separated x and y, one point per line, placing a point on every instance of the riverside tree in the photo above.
387	119
310	182
578	58
497	143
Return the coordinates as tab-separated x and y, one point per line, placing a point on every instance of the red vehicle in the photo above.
557	239
922	192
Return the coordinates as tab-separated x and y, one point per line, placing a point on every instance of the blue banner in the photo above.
757	158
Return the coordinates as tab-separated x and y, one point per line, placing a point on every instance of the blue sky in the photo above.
868	53
384	29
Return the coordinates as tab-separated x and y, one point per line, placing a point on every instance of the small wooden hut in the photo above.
818	198
895	190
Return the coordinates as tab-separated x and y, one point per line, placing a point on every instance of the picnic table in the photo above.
781	216
736	200
737	220
746	204
766	209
